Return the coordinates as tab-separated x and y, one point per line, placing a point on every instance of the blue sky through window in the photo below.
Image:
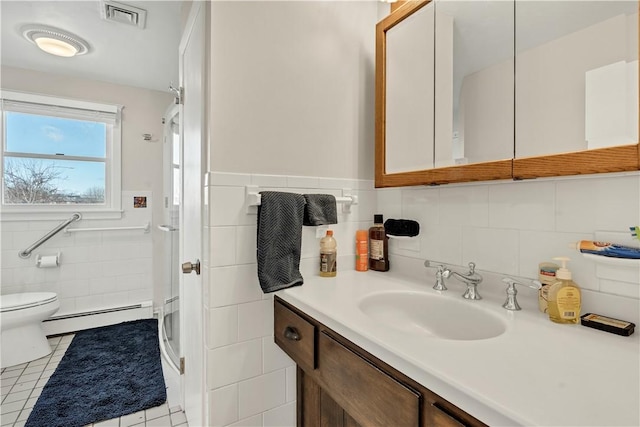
30	133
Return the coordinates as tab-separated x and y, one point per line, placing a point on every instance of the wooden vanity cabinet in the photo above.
340	384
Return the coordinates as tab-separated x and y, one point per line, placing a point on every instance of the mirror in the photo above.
474	81
438	65
577	82
579	58
410	93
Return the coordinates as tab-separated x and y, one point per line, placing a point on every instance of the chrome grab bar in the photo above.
27	252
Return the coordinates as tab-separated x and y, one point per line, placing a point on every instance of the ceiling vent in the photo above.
123	13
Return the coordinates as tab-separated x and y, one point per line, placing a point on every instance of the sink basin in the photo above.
432	315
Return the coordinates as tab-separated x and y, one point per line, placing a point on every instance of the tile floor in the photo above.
21	385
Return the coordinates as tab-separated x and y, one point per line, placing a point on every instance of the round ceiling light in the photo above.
55	41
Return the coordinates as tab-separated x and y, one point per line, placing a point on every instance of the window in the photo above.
59	154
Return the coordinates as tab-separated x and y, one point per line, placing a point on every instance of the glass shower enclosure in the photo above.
171	238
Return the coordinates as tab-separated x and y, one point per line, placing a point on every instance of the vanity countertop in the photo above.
535	373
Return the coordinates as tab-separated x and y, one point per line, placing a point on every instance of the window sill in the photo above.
9	214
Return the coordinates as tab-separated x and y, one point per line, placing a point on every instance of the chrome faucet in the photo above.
512	303
471	279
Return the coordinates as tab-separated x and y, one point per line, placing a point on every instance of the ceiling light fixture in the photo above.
55	41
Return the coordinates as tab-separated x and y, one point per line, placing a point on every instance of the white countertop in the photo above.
536	373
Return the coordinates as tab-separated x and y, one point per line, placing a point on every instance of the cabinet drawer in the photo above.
445	418
295	336
366	393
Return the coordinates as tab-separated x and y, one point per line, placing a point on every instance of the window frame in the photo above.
75	109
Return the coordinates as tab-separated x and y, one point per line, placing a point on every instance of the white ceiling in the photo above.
119	53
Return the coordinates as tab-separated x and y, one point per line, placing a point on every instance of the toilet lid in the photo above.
11	302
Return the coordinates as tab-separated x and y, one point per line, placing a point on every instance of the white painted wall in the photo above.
105	268
292	88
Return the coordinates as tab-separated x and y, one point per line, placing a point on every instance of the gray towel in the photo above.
320	209
279	240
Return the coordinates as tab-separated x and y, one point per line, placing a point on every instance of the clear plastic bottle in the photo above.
564	297
378	245
362	250
328	255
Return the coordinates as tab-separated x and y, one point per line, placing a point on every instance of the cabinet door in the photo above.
576	87
474	81
407	129
444	93
363	390
333	415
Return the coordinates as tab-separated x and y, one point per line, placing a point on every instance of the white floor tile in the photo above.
10	418
12	407
132	419
178	418
157	412
9	381
29	378
39	362
159	422
115	422
10	374
14	397
24	414
32	370
6	390
28	386
30	403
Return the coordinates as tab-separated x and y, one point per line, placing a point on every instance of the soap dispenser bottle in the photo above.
564	296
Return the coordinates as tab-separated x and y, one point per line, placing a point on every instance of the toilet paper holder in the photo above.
48	261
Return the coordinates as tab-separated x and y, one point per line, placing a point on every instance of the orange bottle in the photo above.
362	250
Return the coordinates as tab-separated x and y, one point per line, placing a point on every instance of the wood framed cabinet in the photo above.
340	384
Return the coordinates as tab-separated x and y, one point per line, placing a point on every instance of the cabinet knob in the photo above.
291	333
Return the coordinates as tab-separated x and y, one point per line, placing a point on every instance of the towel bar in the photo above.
253	199
146	227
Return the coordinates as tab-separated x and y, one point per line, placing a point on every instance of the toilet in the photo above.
21	316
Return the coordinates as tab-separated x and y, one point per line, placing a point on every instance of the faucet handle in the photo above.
512	303
441	274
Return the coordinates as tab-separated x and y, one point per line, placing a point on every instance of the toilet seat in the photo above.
14	302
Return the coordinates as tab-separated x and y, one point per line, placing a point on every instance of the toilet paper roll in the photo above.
47	261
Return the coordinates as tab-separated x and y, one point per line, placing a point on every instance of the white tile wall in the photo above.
97	269
505	227
261	393
510	227
250	380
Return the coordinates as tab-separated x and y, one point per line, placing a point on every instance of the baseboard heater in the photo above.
73	322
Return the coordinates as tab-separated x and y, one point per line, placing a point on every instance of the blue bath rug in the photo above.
105	373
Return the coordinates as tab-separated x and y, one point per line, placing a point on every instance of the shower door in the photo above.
171	232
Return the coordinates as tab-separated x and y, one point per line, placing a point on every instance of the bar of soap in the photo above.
607	324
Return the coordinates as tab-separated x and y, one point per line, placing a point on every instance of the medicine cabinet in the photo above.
491	89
